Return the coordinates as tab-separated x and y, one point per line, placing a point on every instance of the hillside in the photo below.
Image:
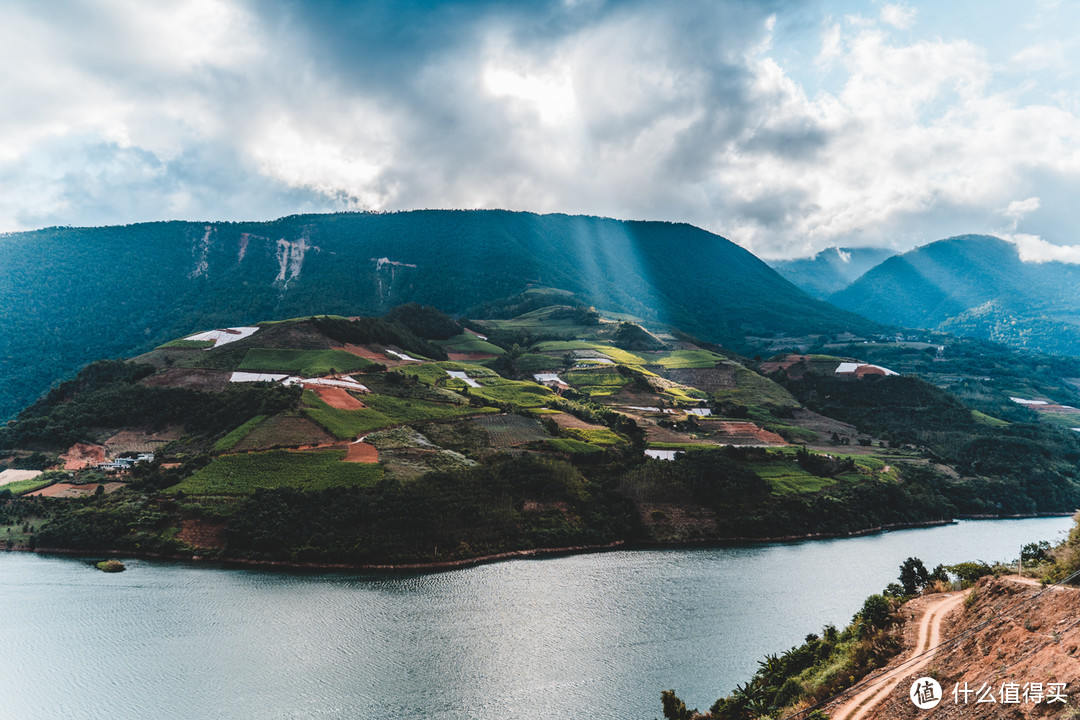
79	294
973	285
418	438
830	270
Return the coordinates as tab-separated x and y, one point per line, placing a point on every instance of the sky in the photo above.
787	127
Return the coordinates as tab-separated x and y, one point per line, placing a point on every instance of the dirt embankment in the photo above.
1019	637
81	455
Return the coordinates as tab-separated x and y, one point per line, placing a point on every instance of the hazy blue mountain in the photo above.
974	285
831	270
71	295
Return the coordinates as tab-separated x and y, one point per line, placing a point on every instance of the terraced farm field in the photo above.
302	362
509	430
244	474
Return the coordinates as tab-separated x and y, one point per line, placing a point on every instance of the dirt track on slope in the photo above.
929	636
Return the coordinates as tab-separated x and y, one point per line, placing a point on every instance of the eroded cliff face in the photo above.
1021	657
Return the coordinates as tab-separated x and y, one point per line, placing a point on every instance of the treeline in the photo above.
108	394
1013	469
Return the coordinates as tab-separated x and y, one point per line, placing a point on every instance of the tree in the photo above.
674	708
876	612
913	576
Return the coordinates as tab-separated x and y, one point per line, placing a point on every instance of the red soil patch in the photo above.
468	357
338	398
81	455
736	432
134	441
1060	409
361	351
565	420
770	367
68	490
361	452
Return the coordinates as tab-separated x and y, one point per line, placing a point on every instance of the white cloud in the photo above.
1045	55
1035	249
1018	209
899	16
225	108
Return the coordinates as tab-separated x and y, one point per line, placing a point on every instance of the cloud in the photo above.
238	109
1018	209
899	16
1034	249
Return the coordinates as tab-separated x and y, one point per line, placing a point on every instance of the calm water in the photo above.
594	636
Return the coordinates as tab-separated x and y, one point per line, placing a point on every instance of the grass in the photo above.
594	436
573	447
508	430
469	343
14	534
595	378
989	420
512	392
686	359
188	344
434	373
381	411
20	487
244	474
343	424
302	362
283	431
618	355
229	441
753	389
785	476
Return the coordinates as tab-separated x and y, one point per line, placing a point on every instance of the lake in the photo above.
595	636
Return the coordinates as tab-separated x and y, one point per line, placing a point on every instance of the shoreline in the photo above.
530	554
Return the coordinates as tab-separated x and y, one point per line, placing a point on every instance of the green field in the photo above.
229	441
27	486
595	378
302	362
574	447
188	344
785	476
595	436
680	359
469	343
244	474
618	355
508	430
434	373
519	394
381	411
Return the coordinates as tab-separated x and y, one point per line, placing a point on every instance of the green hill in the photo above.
830	270
71	295
406	439
974	285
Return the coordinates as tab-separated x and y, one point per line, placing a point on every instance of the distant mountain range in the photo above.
831	270
71	295
974	285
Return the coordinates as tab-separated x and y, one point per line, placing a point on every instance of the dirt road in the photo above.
861	705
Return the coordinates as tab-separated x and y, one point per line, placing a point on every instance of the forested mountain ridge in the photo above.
87	293
830	270
974	285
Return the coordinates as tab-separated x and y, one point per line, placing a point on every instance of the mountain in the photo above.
974	285
72	295
831	270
